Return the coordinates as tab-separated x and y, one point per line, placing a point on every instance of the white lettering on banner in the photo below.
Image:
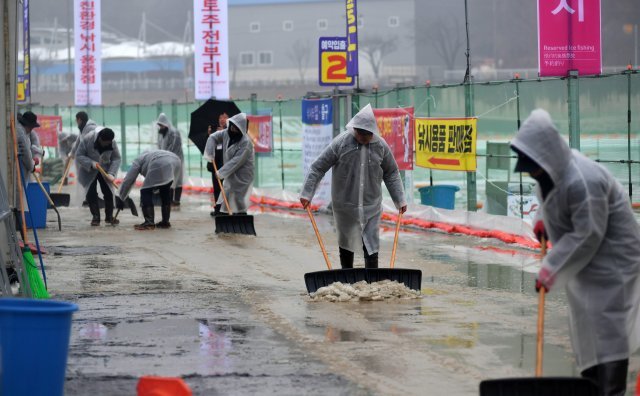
314	140
565	6
211	48
88	69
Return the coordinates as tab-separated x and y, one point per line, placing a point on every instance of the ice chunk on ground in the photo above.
363	291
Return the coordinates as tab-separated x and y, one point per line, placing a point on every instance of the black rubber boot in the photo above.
611	377
371	261
95	213
148	213
166	213
108	213
216	211
177	193
346	258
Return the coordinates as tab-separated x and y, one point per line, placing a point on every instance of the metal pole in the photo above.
635	41
519	173
574	109
256	163
138	111
467	74
123	136
629	130
281	142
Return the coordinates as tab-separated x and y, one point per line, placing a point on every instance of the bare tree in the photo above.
375	49
447	39
300	54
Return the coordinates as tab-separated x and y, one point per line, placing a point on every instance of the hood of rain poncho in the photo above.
365	119
539	140
240	120
164	121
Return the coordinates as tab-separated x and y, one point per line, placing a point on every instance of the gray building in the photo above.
277	41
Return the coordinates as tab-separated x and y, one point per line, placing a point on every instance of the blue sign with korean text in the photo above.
317	111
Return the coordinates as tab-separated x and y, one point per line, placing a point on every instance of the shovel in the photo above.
46	194
412	278
58	198
538	386
128	202
232	224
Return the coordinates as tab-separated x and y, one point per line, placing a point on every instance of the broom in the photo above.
37	285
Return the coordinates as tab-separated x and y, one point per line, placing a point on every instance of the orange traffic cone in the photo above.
638	385
162	386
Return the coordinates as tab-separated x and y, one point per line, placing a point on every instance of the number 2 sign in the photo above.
332	65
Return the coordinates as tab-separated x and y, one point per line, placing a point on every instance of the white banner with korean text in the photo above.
211	49
317	134
88	63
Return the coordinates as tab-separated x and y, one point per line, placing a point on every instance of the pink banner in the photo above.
396	127
261	132
50	126
569	37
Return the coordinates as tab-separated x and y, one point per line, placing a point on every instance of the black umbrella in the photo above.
207	115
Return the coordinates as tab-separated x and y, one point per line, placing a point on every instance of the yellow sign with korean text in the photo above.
446	143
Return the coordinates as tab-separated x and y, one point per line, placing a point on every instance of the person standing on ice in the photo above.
238	157
361	160
161	170
98	147
169	139
587	216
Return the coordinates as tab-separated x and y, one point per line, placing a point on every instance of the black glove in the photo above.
210	167
119	203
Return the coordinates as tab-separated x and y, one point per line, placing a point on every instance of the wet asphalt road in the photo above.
230	315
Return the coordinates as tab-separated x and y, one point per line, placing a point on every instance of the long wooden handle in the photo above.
395	241
105	175
44	190
66	172
224	196
19	183
540	337
315	228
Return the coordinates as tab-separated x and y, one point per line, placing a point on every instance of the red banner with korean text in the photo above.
396	128
261	132
50	126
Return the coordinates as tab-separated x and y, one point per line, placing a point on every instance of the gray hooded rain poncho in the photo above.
358	172
87	154
171	141
90	126
159	167
596	245
237	171
24	150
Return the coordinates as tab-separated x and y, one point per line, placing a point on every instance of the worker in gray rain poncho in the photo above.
27	123
595	253
24	145
85	125
361	161
98	148
161	169
237	154
169	139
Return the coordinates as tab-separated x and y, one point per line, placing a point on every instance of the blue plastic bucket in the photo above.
34	337
443	196
38	204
